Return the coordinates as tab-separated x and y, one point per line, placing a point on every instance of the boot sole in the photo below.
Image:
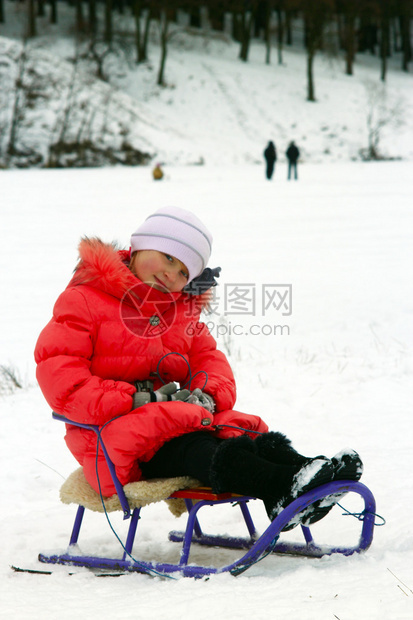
352	469
325	474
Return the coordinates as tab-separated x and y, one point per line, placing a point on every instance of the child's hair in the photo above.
179	233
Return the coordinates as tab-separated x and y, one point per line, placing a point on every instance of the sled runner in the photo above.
132	498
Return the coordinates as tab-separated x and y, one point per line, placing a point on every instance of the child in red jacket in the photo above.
124	333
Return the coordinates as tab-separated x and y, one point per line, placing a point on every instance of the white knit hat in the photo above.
176	232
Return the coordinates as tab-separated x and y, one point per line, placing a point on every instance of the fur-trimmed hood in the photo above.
105	267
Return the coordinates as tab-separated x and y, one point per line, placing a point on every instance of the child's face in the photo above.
162	271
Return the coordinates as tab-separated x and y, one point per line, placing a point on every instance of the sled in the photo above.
254	546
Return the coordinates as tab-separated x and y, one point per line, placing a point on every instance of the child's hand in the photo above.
198	397
165	393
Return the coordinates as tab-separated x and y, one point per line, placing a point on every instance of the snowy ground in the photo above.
342	237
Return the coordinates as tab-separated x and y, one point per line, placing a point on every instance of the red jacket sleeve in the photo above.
219	380
63	353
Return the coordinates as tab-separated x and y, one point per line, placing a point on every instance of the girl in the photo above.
124	332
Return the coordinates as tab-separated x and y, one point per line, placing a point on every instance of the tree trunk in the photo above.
148	19
288	29
349	41
216	17
138	42
53	11
31	20
15	118
194	17
280	35
405	36
80	22
310	79
141	38
40	8
316	16
247	21
93	21
267	31
108	21
164	25
384	45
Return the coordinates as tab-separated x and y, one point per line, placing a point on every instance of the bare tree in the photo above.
98	50
316	16
348	10
17	109
385	11
164	19
280	29
381	112
92	16
267	30
142	36
53	11
246	17
405	17
31	19
63	121
108	21
80	20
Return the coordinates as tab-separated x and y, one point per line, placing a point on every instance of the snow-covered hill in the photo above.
214	109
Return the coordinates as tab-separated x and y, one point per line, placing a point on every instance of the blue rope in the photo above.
191	378
237	570
144	568
237	428
360	516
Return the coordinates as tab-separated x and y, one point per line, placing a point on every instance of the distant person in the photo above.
270	155
293	154
157	172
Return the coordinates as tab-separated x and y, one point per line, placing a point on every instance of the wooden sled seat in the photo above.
184	494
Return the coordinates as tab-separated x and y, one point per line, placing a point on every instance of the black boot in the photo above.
347	466
237	468
277	448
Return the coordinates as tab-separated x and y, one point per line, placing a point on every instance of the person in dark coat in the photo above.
293	154
270	155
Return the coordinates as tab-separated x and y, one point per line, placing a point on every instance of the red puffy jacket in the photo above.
109	330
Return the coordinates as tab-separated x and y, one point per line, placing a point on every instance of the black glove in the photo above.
203	282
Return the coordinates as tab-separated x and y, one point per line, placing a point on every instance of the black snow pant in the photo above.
188	455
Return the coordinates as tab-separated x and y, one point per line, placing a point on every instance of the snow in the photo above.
341	236
338	374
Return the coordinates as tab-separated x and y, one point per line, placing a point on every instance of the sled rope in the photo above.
191	378
237	570
144	568
360	516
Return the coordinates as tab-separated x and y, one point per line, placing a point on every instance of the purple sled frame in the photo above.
256	545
